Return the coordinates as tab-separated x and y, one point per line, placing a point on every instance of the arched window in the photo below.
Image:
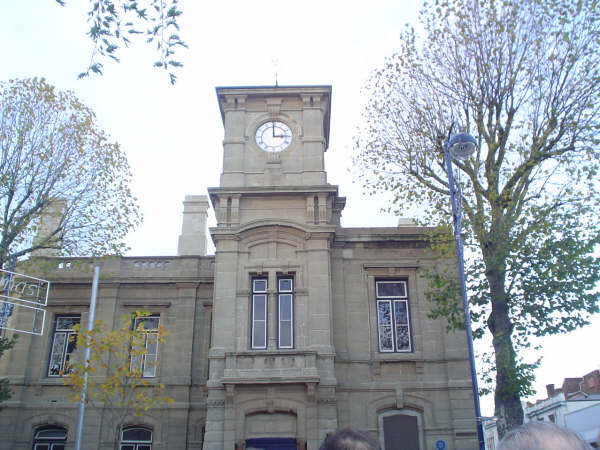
136	438
50	438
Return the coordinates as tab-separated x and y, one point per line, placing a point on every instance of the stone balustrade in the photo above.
131	267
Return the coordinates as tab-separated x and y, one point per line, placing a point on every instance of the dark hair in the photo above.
541	435
349	439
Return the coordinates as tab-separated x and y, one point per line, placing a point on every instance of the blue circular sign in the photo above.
440	444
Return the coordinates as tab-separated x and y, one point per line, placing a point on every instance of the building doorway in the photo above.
400	430
271	444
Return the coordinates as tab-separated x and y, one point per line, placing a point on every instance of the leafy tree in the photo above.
64	187
522	76
114	23
118	361
5	344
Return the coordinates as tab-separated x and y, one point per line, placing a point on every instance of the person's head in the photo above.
348	439
542	436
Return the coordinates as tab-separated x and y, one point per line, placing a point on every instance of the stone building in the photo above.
294	328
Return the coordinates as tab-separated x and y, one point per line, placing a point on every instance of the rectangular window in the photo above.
146	363
64	340
393	319
259	314
285	308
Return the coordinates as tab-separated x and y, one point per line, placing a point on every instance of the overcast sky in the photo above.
172	134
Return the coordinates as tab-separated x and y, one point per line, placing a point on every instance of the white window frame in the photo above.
257	292
392	300
125	444
281	293
69	335
49	443
148	362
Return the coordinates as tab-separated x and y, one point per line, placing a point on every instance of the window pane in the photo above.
66	323
57	354
258	334
259	318
51	433
152	343
400	313
285	334
127	447
144	447
137	434
259	307
41	447
384	313
136	364
384	319
259	285
285	306
149	366
58	447
148	323
402	337
391	289
285	285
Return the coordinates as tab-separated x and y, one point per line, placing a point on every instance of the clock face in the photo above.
273	136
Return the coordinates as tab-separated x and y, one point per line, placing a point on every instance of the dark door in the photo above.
271	444
401	432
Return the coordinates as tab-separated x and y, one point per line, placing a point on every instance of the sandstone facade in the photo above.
294	328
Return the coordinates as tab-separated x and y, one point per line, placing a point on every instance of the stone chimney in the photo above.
50	221
550	390
406	222
591	382
193	230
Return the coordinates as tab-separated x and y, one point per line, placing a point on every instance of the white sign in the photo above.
23	288
23	301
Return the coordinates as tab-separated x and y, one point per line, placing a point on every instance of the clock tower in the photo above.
271	362
274	136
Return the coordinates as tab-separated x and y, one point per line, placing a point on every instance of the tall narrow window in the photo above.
146	363
259	313
50	438
285	307
63	344
393	320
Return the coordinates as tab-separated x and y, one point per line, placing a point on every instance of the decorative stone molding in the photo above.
311	391
229	393
215	403
399	397
271	366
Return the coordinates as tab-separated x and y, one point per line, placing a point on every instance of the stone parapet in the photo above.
130	268
270	367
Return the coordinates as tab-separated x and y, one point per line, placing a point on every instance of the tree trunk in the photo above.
507	399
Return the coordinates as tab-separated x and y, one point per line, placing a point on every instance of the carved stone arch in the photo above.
30	424
145	420
390	402
254	406
283	225
272	241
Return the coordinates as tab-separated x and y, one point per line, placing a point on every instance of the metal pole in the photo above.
456	217
87	357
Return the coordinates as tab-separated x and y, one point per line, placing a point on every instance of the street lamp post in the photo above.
462	146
